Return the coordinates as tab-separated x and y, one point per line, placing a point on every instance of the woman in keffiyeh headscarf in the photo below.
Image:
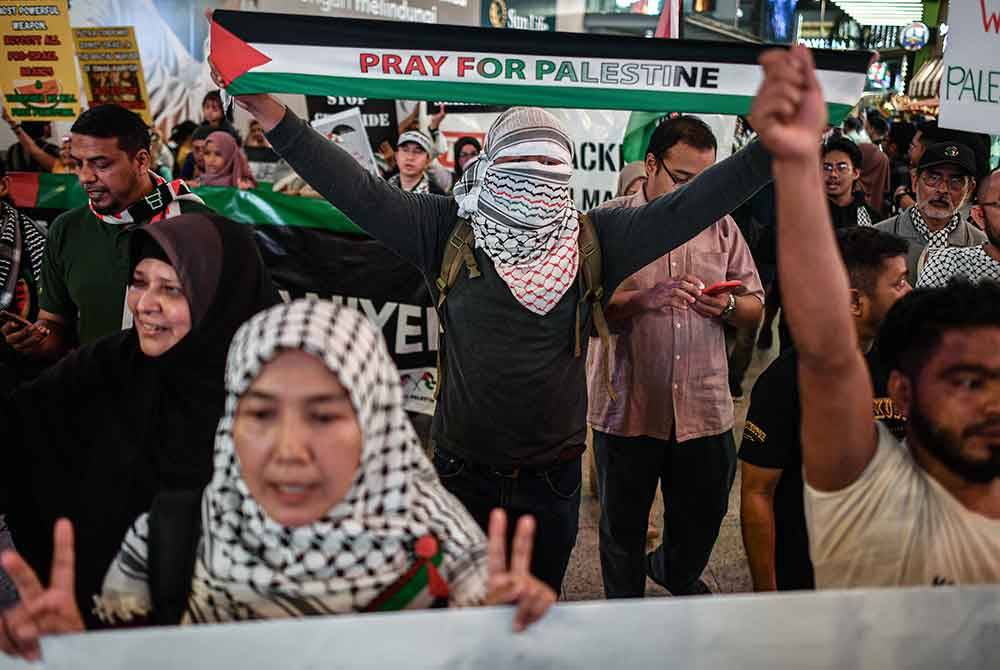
322	501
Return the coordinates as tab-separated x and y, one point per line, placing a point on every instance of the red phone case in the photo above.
722	287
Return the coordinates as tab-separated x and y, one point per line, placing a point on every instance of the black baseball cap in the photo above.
949	153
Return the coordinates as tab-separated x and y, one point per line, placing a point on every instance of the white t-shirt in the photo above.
897	526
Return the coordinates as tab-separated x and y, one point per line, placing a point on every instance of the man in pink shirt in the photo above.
671	421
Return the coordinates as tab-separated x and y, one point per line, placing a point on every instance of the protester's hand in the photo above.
25	339
388	153
410	122
41	611
515	584
675	293
711	306
436	119
244	184
788	112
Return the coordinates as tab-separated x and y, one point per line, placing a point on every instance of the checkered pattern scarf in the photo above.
936	240
422	186
18	235
521	213
162	203
249	566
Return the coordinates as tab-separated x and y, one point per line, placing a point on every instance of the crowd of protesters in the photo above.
177	451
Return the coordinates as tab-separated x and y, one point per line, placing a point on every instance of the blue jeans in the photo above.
695	477
550	494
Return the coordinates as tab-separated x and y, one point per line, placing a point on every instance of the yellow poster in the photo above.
37	72
111	68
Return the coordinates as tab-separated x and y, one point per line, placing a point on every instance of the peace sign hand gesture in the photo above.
515	584
41	611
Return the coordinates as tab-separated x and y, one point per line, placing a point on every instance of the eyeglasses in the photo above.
677	179
841	167
934	179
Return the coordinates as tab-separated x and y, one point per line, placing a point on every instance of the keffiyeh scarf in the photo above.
250	567
163	202
521	212
936	240
18	235
423	186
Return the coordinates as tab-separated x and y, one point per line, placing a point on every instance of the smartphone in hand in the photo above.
722	287
10	317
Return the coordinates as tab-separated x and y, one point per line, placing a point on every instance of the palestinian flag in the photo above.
278	53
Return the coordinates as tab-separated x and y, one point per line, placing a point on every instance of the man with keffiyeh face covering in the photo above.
85	266
510	423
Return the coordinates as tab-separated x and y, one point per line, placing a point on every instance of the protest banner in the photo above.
112	69
888	629
37	72
970	87
280	53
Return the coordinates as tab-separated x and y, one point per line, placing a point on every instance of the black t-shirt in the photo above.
771	439
846	217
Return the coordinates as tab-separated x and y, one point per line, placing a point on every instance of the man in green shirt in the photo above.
85	267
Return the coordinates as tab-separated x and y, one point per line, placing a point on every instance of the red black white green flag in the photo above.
260	52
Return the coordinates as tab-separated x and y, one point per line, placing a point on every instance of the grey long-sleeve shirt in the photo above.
513	392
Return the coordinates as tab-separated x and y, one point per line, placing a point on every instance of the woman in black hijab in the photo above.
113	423
465	151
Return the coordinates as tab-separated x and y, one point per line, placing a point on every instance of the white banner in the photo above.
915	629
970	84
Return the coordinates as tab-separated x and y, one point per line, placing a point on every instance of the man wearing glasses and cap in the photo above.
943	182
413	155
971	263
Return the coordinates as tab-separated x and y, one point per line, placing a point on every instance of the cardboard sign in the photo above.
111	68
970	85
37	73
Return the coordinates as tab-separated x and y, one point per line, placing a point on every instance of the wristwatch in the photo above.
729	309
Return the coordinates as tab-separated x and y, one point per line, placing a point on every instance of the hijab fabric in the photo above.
521	213
236	166
249	566
628	175
460	144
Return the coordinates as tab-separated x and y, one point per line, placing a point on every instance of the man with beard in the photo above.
972	263
85	266
842	164
943	182
882	511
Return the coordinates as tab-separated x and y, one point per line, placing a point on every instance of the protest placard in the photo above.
37	72
111	68
970	87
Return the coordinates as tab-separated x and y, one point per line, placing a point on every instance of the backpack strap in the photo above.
592	292
457	252
174	532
